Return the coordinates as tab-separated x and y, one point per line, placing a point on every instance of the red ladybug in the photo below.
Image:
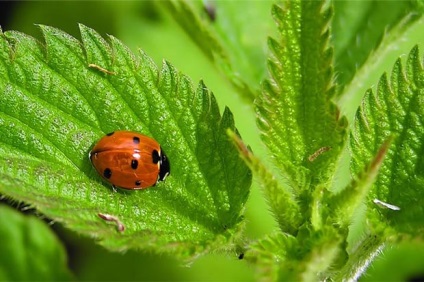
130	160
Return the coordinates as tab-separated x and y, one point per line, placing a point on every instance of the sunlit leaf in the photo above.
395	109
58	99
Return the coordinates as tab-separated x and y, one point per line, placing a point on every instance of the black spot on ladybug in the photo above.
155	156
137	183
111	133
136	140
107	173
134	164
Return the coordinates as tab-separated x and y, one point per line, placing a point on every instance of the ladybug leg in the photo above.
114	189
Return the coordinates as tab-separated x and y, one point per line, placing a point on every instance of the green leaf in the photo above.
359	27
29	249
395	109
344	204
272	255
281	201
53	109
281	257
393	42
227	38
300	125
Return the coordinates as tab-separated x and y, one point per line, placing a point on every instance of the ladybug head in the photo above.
165	167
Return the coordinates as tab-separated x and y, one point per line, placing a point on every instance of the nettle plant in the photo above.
60	96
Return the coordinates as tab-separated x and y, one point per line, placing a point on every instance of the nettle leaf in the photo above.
281	201
30	250
53	109
300	125
395	109
359	27
273	256
365	46
224	34
344	203
280	257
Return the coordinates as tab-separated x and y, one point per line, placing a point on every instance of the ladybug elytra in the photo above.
130	160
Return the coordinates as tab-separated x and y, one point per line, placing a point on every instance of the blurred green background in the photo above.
145	25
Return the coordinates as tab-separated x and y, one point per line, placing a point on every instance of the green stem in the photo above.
361	257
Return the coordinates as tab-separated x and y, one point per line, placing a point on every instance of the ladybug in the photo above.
130	160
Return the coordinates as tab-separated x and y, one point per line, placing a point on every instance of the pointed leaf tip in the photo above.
299	122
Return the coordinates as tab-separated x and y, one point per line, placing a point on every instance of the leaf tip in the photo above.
84	30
